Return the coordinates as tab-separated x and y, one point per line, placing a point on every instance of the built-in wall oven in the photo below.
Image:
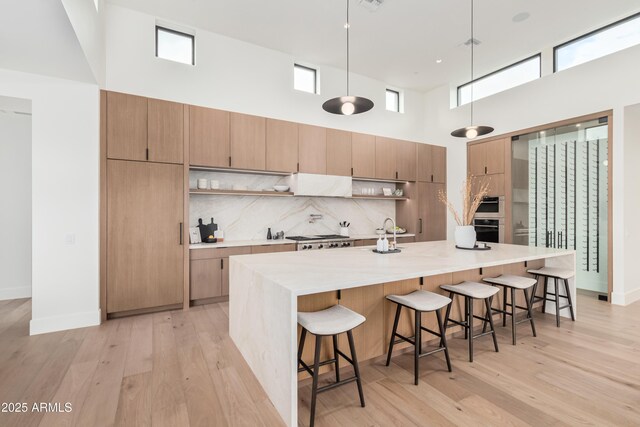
489	220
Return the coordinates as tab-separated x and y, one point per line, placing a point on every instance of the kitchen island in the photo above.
266	291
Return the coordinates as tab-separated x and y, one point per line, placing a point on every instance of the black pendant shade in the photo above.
340	105
471	131
347	105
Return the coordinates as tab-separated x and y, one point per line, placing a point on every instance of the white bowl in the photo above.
281	188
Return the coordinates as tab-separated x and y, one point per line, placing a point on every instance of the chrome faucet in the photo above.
384	224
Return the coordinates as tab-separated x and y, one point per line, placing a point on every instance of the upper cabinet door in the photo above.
338	152
208	137
248	141
406	160
476	159
385	158
312	149
126	126
363	155
282	146
425	170
494	152
438	164
165	131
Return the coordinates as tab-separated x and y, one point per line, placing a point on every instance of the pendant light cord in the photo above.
348	25
472	44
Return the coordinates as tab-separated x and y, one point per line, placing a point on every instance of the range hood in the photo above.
308	184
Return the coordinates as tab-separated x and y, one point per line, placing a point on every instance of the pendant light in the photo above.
472	131
347	105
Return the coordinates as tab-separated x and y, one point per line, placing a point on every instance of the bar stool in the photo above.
472	291
330	322
514	283
420	301
555	274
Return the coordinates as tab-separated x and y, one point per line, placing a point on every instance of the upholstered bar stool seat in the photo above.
514	283
557	274
472	291
420	301
332	321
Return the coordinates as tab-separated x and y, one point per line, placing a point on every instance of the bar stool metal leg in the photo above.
417	347
513	315
529	312
356	369
443	338
335	356
544	296
490	316
303	336
393	334
469	327
466	314
504	306
566	288
555	282
314	386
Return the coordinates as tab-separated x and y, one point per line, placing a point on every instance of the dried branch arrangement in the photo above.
470	201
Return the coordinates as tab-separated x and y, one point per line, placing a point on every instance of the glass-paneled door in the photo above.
559	188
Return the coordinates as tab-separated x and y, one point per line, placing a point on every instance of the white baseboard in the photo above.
62	323
626	298
15	293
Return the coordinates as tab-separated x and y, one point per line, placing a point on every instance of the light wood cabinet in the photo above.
144	235
312	149
126	126
205	278
282	146
496	184
486	158
406	160
385	158
248	141
209	275
165	131
209	143
338	152
431	213
267	249
432	163
363	155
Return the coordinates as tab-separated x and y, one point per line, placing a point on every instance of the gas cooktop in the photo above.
316	237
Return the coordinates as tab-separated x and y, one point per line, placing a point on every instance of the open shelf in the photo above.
364	196
392	181
242	193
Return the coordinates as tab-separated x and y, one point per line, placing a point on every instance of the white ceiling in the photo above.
400	42
36	37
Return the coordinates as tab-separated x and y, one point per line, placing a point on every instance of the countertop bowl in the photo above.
281	188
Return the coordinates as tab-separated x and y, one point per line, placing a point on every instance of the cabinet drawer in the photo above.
219	252
266	249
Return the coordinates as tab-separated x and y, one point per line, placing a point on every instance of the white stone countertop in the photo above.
261	242
304	273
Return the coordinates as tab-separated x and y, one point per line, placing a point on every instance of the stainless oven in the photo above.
489	229
491	207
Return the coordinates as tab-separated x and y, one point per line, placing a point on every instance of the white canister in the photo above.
202	184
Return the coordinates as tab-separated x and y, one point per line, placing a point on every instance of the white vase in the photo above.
465	236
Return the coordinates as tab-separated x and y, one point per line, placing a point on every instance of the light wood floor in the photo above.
181	368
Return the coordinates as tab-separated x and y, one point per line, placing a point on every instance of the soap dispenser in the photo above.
380	245
385	244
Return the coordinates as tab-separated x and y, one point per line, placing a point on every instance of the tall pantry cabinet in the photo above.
143	202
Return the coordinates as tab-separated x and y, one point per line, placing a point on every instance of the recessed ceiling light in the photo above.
520	17
438	61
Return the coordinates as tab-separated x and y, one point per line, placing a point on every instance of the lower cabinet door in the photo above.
225	276
205	280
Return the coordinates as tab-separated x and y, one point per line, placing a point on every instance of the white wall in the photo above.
15	192
65	162
631	202
238	76
610	82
